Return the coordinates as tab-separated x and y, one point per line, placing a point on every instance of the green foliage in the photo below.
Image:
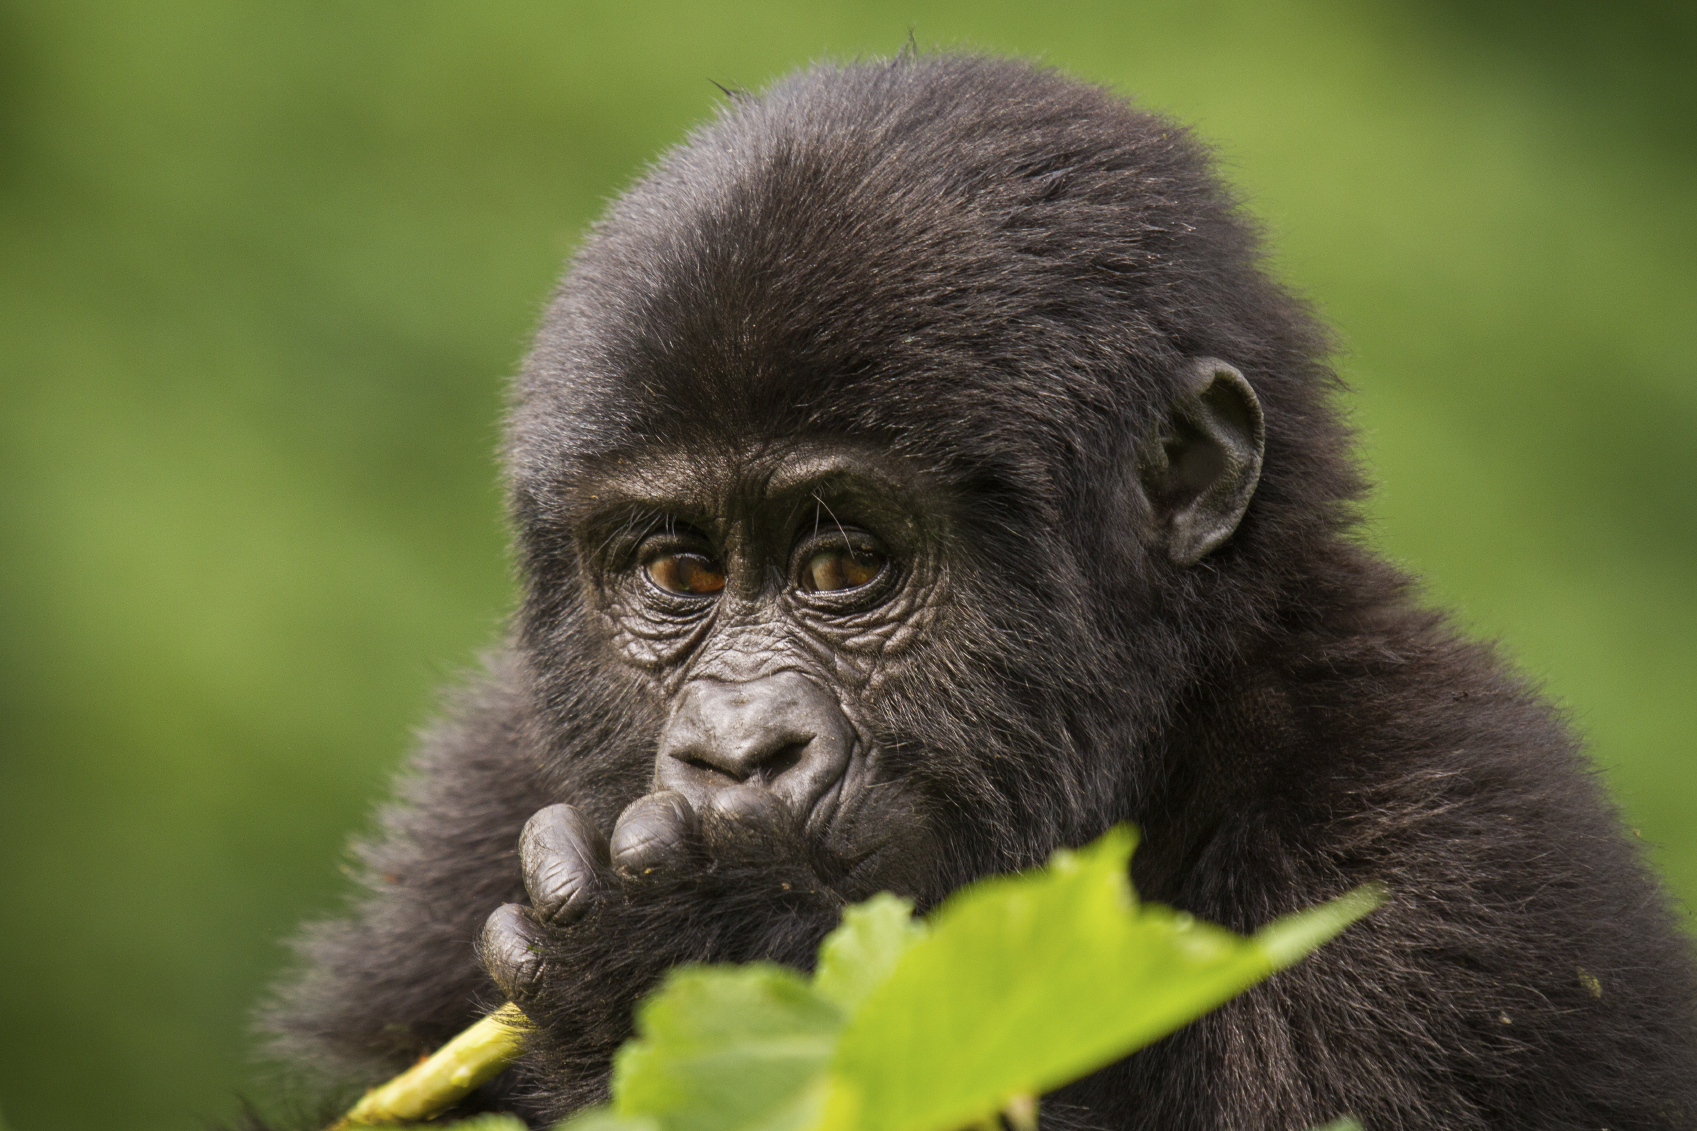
1014	987
728	1048
862	953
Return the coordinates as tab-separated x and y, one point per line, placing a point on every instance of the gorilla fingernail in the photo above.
561	855
652	832
510	948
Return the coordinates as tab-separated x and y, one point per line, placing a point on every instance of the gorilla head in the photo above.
916	473
888	449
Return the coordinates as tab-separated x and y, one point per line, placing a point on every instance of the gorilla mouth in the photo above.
873	838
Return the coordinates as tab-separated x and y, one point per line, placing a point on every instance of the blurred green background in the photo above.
264	269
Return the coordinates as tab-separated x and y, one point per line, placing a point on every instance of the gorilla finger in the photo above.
750	810
563	856
653	831
511	950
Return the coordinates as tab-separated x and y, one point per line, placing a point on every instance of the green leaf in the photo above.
728	1049
603	1119
1025	983
1289	940
496	1123
1017	985
860	954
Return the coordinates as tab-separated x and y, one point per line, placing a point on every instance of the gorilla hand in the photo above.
658	841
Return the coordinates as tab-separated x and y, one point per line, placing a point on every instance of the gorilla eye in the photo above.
695	575
840	568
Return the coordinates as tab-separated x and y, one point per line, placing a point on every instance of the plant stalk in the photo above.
435	1083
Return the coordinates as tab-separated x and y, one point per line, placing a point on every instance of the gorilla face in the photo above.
764	597
820	627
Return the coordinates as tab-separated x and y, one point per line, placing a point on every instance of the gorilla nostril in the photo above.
783	760
707	766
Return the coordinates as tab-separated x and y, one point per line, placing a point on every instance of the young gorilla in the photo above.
915	474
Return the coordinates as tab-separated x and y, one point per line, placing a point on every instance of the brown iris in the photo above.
840	568
696	575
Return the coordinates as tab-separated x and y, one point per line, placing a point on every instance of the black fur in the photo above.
997	277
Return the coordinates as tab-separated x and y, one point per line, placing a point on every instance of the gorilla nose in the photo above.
781	734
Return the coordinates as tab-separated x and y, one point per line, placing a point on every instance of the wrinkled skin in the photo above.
914	474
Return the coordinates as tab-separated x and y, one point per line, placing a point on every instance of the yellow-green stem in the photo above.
434	1084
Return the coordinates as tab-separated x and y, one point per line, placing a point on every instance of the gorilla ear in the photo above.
1201	463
